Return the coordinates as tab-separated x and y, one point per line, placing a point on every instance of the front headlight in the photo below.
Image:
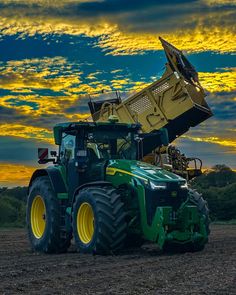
184	185
158	185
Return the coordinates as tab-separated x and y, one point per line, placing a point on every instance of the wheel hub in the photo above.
38	217
85	222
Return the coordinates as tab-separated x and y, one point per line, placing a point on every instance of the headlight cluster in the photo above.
163	185
158	185
184	185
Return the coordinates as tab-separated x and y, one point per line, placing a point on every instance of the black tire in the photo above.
197	199
53	240
109	225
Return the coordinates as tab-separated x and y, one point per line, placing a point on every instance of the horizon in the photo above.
24	181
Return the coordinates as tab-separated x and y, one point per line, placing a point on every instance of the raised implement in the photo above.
175	102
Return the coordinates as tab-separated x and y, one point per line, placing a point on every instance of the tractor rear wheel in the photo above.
43	219
197	199
99	224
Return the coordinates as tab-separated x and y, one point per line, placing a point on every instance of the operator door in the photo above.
67	153
95	170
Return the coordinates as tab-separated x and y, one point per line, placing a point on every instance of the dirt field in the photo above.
139	271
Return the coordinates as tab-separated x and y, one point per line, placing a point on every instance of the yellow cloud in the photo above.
219	81
27	77
219	2
38	74
200	39
116	71
15	175
18	130
209	32
48	3
215	140
24	26
78	117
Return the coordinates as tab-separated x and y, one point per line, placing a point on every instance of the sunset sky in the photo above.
54	53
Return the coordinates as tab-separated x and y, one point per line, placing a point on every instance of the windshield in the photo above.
112	145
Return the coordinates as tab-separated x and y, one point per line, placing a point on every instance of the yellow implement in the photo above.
176	101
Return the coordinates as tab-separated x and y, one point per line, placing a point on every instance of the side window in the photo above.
67	150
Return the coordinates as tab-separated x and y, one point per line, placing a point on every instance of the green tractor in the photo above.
99	192
117	182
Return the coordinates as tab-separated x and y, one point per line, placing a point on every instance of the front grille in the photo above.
173	196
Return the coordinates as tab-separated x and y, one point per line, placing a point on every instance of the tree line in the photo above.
218	187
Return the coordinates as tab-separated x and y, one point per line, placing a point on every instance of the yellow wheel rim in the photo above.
38	217
85	223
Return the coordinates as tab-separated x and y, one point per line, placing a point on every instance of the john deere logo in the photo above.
173	194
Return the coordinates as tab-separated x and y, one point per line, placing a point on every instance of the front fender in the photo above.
89	184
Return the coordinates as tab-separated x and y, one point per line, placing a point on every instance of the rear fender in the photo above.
56	180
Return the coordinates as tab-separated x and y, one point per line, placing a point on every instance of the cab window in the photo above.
67	149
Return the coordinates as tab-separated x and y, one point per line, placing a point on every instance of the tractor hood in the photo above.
141	170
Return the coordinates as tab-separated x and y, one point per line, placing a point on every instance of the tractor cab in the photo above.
86	147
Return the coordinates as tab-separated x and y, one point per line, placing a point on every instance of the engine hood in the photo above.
141	170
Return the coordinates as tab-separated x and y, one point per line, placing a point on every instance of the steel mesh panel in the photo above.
156	91
141	105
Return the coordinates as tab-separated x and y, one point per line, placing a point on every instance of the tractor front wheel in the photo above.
99	224
43	218
197	199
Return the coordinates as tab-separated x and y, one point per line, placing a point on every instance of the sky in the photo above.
54	54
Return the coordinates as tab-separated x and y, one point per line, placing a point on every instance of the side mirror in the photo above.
43	156
53	153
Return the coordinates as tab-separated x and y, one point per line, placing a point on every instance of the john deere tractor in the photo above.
100	188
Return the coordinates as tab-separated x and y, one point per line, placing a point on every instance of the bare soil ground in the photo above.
137	271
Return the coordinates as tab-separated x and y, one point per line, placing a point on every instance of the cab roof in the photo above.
91	127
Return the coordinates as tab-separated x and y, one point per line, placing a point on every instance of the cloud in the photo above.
18	150
15	175
126	28
123	43
47	90
215	140
219	2
219	81
44	87
209	153
27	132
38	74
